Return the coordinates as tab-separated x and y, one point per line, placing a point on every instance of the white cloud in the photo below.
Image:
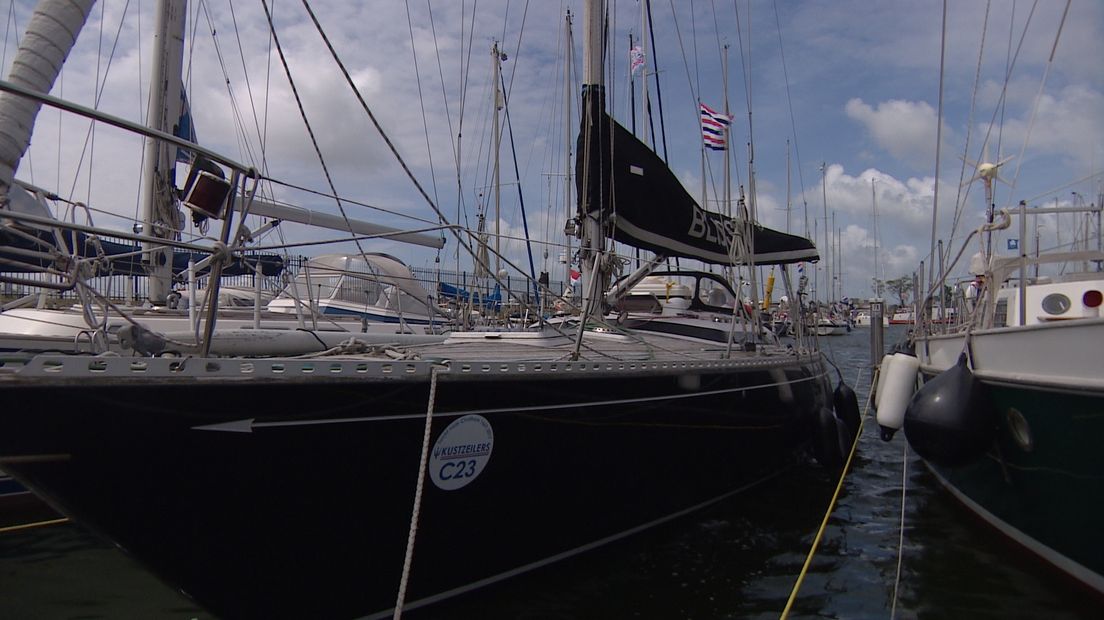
906	129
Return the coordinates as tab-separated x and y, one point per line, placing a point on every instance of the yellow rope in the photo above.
831	504
27	526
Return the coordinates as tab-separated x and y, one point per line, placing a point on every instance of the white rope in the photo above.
901	533
408	560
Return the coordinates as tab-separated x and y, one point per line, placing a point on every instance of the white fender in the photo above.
883	370
896	392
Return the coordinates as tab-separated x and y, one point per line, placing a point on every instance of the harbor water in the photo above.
896	545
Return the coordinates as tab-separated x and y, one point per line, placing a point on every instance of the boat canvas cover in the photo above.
380	267
650	209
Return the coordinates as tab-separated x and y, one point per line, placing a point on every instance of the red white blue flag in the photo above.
636	59
713	127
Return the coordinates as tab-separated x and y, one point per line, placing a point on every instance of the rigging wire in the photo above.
938	142
348	201
659	89
464	73
793	122
263	163
960	199
521	199
387	140
142	106
421	100
1011	60
101	83
13	26
1039	95
239	122
303	113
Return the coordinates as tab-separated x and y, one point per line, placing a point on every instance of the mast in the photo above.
874	207
51	33
789	200
645	120
569	46
595	272
827	246
727	208
496	56
161	218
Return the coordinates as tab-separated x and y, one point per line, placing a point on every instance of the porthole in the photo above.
1056	303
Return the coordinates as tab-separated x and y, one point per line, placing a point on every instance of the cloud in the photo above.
906	129
1069	122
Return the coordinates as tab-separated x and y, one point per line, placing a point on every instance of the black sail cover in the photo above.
649	208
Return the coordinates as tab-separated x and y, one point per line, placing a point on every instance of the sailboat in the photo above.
375	476
1008	415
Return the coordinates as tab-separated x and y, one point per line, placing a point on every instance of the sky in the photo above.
839	101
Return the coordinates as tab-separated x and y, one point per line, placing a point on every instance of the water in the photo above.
737	559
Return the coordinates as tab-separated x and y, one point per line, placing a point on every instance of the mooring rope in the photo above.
831	503
27	526
408	560
901	533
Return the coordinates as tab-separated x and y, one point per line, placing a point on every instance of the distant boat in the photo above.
832	326
903	316
864	319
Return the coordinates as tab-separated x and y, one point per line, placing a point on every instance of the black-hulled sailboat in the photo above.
363	478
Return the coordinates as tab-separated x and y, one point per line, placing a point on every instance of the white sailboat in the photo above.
1008	414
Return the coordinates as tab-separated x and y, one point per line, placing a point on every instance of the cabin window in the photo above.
1000	316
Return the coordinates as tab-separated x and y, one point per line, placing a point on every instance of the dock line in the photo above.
27	526
832	503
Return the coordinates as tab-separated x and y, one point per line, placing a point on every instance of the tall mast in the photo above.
497	72
827	246
593	240
874	207
162	219
645	121
727	208
569	95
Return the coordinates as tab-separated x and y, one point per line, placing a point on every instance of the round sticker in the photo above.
461	452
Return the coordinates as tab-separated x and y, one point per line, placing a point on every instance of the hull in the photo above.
255	497
1040	483
832	329
1049	499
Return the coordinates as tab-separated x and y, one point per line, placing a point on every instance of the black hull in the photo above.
308	516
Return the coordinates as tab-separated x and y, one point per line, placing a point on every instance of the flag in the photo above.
713	126
636	59
575	275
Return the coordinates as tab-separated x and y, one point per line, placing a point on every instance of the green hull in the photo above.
1042	483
